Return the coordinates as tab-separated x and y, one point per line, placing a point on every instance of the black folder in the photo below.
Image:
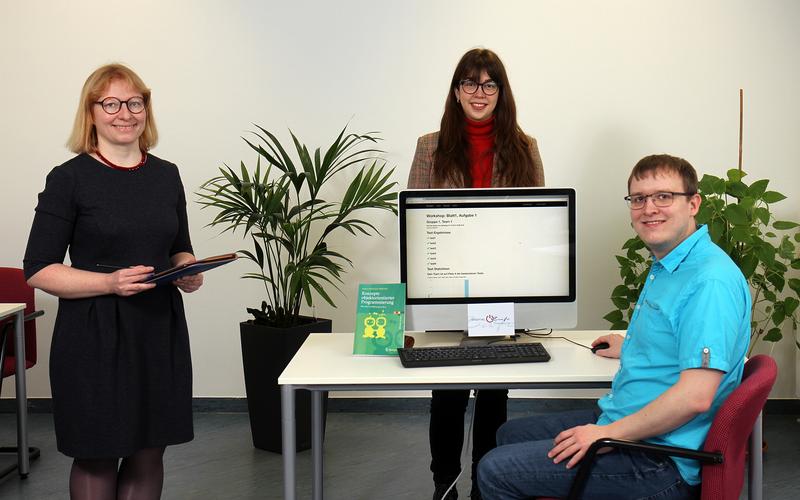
190	268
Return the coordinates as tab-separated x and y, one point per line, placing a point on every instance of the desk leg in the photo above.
316	444
288	442
22	400
755	470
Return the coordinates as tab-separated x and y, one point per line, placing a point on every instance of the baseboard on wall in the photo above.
393	405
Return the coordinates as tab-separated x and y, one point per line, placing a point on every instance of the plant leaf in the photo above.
737	189
772	197
757	188
734	174
736	215
789	305
620	303
748	265
620	291
783	225
773	335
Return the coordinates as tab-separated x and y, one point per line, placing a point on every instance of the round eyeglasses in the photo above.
489	87
662	199
112	105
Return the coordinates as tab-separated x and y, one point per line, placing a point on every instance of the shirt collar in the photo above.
673	259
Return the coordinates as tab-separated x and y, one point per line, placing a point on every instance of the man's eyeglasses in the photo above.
661	199
470	86
112	105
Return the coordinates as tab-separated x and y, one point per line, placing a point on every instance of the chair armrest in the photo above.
659	449
33	315
588	460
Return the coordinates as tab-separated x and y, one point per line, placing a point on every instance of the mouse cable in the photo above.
531	334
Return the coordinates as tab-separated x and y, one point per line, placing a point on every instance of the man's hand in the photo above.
575	442
126	282
691	395
614	341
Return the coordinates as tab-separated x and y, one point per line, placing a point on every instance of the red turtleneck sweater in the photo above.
481	151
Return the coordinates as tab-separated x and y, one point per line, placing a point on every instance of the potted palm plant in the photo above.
280	207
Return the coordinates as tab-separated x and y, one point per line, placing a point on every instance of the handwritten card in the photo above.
485	320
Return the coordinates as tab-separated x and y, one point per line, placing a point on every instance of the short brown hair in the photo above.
653	164
84	135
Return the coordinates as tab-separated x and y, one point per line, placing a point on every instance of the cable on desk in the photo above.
529	333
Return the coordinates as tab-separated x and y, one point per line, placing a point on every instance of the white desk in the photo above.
18	310
325	363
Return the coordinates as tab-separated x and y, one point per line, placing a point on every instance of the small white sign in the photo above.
485	320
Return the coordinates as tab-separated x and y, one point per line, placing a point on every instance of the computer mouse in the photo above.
601	345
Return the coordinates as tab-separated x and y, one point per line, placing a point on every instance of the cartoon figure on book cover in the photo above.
375	326
380	322
369	327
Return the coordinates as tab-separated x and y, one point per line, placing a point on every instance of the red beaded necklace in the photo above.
126	169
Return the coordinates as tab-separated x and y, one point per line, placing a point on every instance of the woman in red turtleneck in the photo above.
479	144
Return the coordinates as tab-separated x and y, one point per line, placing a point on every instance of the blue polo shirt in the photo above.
693	312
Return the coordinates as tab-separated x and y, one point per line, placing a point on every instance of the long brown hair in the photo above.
84	134
512	146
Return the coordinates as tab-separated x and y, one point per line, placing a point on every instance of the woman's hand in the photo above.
189	284
126	282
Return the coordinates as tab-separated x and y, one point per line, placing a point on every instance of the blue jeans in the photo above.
519	467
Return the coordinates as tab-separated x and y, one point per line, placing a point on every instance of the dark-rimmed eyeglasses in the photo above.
489	87
112	105
662	199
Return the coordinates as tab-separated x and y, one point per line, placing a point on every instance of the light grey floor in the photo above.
368	456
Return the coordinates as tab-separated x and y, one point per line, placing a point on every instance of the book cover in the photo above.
380	319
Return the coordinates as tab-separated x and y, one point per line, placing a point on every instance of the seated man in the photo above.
682	356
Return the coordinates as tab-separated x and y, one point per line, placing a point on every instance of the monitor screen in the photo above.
462	246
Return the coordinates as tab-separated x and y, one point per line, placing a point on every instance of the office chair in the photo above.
14	289
723	453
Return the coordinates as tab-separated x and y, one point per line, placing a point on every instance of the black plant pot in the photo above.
266	351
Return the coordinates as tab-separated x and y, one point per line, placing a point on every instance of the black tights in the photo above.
139	476
447	428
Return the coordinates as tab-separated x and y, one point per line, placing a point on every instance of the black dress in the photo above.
120	367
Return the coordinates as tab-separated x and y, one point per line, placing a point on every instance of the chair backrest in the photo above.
14	289
732	426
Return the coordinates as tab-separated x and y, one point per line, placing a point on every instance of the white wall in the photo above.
600	84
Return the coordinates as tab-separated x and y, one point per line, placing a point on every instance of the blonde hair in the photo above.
84	135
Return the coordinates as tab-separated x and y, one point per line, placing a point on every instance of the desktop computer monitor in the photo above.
464	246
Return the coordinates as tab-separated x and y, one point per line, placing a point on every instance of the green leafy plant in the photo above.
281	209
740	220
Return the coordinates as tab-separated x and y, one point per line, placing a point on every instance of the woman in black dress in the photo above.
120	367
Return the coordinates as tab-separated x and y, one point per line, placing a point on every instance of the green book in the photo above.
380	319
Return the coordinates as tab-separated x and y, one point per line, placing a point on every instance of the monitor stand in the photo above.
467	341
